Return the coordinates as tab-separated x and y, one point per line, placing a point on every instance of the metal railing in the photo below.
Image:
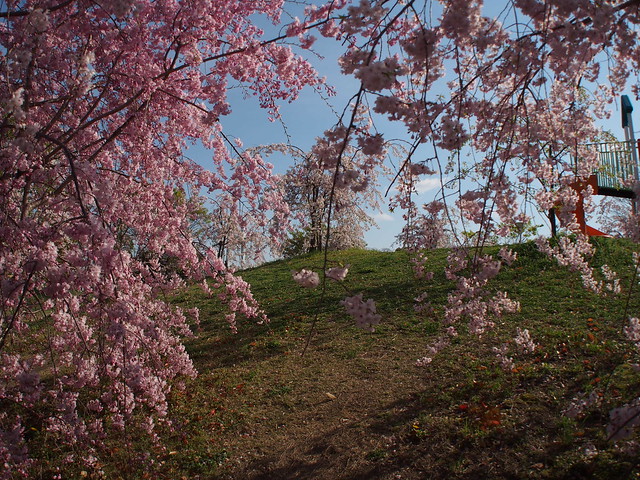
616	163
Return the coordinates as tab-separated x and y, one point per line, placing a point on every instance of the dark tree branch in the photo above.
23	13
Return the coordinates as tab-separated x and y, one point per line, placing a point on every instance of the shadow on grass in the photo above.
390	448
450	448
291	311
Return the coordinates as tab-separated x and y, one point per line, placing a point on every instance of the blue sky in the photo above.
310	115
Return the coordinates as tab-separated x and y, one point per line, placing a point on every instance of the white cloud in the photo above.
427	184
382	217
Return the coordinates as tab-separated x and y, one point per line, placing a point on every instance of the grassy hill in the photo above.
355	406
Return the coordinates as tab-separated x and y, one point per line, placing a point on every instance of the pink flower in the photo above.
508	255
364	313
632	331
306	278
421	169
372	145
338	273
523	340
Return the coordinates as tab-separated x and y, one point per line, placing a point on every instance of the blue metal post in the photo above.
627	125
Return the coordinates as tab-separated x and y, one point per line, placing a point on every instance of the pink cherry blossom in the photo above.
338	273
306	278
363	313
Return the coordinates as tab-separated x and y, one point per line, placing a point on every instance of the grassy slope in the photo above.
356	407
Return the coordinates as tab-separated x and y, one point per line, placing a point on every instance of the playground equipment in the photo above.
618	161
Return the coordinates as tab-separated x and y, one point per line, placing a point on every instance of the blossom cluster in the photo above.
363	313
573	254
524	345
338	273
419	262
501	353
582	403
436	347
471	299
306	278
632	331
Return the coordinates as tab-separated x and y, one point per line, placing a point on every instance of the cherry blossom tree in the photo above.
239	234
327	215
616	216
100	100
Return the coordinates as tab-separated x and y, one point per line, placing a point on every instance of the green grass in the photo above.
355	406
